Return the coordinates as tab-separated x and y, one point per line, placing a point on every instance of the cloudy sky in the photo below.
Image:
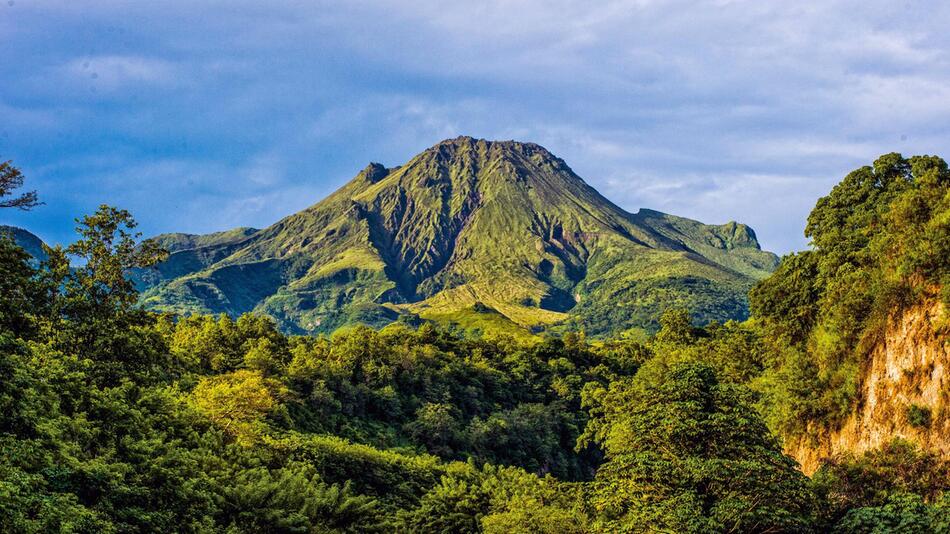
204	115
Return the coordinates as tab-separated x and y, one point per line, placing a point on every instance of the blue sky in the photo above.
204	115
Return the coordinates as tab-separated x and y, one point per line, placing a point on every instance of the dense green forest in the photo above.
117	419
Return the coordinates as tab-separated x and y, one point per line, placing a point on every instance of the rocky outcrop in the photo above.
904	393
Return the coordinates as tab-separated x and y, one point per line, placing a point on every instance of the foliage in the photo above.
94	312
901	513
497	500
116	419
899	468
293	499
688	453
918	416
237	401
11	179
24	294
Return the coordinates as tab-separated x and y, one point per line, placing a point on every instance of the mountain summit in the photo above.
481	233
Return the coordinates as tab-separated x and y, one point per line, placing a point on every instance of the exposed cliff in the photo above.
905	392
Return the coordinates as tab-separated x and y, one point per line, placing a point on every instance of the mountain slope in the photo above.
502	227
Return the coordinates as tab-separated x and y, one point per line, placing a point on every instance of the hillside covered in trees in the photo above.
118	419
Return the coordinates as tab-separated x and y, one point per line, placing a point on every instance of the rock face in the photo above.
904	393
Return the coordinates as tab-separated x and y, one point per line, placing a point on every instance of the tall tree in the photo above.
98	316
108	250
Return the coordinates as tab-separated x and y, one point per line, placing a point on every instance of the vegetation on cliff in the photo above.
881	242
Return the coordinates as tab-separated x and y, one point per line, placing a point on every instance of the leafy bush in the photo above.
899	468
918	416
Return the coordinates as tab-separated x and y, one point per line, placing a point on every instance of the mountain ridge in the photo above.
503	224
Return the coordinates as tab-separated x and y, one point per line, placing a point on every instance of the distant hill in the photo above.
30	242
480	233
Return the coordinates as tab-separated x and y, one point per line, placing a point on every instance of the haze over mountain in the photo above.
482	233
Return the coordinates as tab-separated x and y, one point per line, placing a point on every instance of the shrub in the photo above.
918	416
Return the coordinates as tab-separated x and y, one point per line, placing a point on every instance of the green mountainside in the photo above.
484	234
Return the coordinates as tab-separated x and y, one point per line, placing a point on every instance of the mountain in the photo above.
480	233
27	240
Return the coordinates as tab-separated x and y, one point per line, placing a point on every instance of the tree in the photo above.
11	178
294	499
689	454
880	242
236	401
787	301
23	295
497	500
455	505
96	313
902	512
107	249
436	426
676	327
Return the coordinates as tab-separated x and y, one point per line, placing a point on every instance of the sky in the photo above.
200	116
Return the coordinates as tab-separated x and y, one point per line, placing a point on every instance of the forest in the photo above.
118	419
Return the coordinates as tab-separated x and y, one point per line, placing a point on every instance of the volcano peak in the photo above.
504	224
